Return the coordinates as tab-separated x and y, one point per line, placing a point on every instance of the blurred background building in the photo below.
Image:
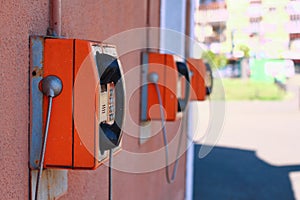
270	29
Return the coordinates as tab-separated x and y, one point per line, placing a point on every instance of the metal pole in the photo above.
55	17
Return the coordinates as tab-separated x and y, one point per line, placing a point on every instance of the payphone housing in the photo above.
174	95
87	116
201	79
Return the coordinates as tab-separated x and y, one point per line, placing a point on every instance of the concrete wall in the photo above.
93	20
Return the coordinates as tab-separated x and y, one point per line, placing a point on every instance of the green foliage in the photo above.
245	49
215	60
238	89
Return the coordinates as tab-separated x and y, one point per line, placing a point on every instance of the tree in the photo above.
215	60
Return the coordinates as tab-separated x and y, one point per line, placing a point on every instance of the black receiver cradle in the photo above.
110	72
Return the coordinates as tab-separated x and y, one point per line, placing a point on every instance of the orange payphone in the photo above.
170	75
166	83
86	115
201	79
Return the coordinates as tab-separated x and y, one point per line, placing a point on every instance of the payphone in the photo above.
166	82
170	75
87	115
201	79
77	100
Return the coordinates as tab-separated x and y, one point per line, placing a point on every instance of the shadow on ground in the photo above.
236	174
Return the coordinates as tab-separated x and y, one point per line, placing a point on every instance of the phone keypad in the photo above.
111	103
107	103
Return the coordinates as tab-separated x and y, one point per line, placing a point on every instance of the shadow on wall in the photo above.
228	173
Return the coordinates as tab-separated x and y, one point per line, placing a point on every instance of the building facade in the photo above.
89	20
269	28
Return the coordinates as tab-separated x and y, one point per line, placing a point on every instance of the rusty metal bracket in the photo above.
53	182
36	100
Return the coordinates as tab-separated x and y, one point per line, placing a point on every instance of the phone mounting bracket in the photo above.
54	179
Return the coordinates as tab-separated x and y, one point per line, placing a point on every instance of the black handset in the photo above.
208	79
184	71
112	101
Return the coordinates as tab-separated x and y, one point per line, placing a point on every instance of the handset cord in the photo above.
110	175
169	179
191	138
42	156
51	87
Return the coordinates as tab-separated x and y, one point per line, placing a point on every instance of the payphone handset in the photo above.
111	108
88	114
171	72
209	80
183	71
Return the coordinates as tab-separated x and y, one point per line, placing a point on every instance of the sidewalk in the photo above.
257	156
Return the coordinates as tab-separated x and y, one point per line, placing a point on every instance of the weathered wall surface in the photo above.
18	19
93	20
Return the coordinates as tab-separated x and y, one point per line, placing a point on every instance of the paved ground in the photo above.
258	154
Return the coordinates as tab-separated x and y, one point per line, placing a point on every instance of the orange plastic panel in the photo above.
86	81
156	65
171	77
197	67
165	66
58	60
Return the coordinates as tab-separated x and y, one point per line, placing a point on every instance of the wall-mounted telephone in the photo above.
111	110
171	74
166	82
87	116
201	79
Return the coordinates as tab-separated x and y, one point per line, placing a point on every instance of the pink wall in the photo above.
89	19
18	20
